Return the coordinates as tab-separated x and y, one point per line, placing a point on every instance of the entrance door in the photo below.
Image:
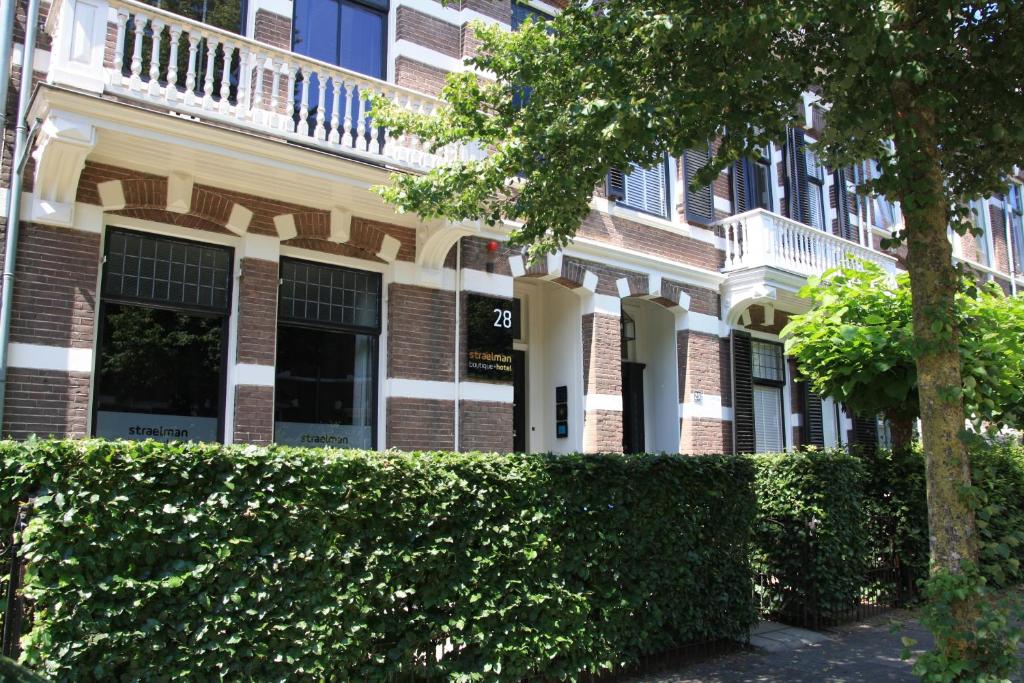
633	408
519	401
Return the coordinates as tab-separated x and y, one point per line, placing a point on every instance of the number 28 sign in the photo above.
490	327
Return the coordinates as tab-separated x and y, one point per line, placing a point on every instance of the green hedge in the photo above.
203	562
809	545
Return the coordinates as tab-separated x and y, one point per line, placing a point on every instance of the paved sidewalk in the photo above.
860	653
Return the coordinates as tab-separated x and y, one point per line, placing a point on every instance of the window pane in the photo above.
316	30
159	374
166	271
830	423
329	295
767	361
767	419
520	12
762	185
362	39
324	389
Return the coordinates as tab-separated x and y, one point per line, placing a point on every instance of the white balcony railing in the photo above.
138	52
760	238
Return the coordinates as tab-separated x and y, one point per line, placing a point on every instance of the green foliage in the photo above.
201	562
984	653
624	81
896	513
809	535
856	345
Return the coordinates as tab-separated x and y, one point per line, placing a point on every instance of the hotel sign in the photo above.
490	322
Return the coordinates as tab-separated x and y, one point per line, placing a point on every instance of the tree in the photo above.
621	81
856	345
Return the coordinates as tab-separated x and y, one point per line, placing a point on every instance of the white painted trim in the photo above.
192	234
723	204
486	283
703	323
41	60
630	259
425	55
251	374
486	392
44	357
261	247
396	387
709	409
604	304
447	14
609	402
796	419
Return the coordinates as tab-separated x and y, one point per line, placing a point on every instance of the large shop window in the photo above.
769	375
328	328
162	330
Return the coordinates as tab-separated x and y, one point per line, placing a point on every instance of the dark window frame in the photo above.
183	308
775	384
373	332
382	7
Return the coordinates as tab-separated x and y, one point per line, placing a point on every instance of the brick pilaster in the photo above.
602	383
704	368
255	345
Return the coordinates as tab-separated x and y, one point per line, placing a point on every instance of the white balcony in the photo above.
762	239
145	55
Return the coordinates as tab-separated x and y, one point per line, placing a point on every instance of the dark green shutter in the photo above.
743	174
700	203
814	426
865	434
742	393
796	176
616	185
844	227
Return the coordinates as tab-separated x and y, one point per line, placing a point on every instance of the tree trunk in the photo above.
902	430
933	286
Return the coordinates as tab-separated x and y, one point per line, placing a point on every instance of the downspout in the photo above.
6	48
21	150
1009	245
458	335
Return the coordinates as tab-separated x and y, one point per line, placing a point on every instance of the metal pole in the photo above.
14	196
6	47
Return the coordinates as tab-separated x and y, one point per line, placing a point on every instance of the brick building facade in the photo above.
291	304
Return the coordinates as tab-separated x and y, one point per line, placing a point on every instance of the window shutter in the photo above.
700	203
616	185
844	227
814	427
796	176
740	187
865	434
742	393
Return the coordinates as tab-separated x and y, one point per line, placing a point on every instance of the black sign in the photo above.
490	322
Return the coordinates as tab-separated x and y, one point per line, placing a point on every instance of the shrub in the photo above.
182	562
809	547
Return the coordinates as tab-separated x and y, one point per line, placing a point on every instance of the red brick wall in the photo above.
257	312
428	31
627	234
46	403
421	424
254	414
602	355
485	426
55	286
496	9
273	29
602	431
421	333
705	436
419	76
